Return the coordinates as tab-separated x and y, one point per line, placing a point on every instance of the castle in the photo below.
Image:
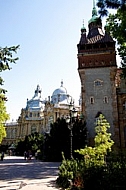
102	91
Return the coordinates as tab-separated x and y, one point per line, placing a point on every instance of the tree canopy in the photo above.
6	58
58	140
96	155
116	25
33	142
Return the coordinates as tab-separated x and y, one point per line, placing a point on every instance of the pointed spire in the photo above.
93	3
94	11
83	29
83	25
94	14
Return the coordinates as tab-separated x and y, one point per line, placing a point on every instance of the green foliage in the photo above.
3	117
33	142
104	5
103	139
116	26
103	143
6	57
111	177
100	168
58	140
74	175
68	172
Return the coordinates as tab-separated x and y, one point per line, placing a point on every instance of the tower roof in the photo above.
95	33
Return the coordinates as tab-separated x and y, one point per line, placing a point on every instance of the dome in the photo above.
60	95
61	90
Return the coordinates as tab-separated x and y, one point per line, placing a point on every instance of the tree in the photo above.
58	140
6	57
104	5
116	25
33	142
97	155
92	172
3	117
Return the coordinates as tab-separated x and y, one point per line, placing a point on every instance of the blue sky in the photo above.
48	33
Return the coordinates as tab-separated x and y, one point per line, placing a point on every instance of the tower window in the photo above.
92	100
98	82
106	99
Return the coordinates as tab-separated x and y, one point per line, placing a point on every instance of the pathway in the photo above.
17	173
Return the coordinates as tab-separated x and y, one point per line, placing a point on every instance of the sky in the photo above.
48	33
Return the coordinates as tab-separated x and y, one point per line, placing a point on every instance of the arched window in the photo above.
98	82
92	100
106	99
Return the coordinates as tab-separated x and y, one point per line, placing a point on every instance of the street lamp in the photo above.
70	120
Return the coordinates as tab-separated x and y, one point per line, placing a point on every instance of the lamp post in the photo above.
70	120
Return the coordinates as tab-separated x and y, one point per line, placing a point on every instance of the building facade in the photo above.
38	114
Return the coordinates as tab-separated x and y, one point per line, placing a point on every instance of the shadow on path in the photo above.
16	168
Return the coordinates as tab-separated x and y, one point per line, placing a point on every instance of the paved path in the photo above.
17	173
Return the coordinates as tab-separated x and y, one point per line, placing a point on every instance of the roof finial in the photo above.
61	83
83	29
83	23
94	11
93	3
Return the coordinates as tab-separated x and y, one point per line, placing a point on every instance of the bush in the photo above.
96	170
67	171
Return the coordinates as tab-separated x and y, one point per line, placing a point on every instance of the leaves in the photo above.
6	57
95	156
116	25
3	117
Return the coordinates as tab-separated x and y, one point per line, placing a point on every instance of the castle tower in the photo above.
97	69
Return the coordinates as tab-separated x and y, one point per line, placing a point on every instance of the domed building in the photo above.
31	119
60	95
57	106
38	114
35	106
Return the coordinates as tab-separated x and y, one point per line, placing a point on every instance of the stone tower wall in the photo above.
103	97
